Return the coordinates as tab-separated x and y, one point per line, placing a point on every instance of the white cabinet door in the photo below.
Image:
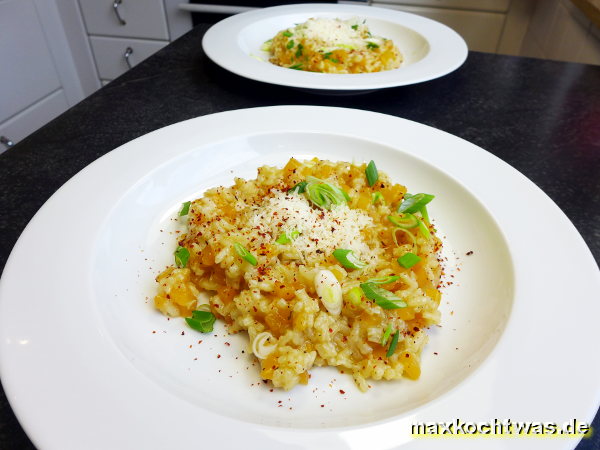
27	72
110	54
142	18
26	122
476	5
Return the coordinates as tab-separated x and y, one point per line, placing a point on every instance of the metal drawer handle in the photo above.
116	4
126	55
6	141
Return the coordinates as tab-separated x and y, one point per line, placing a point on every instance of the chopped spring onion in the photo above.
405	220
328	56
354	27
182	255
348	259
386	334
296	66
407	233
185	209
425	215
324	195
393	344
384	280
372	174
287	33
377	197
266	47
424	230
329	291
413	203
408	260
382	297
298	189
201	321
355	295
245	254
299	51
372	45
286	238
290	44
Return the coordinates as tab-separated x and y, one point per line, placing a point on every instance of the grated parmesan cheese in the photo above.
334	33
322	231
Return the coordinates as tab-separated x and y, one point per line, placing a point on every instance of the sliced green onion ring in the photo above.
386	334
245	254
355	295
201	321
185	209
382	297
298	189
424	230
286	238
411	237
384	280
372	174
413	203
348	259
425	215
405	221
393	344
408	260
377	197
324	195
182	255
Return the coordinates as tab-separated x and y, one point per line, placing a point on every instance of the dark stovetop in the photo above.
542	117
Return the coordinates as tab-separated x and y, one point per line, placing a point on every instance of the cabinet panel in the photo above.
23	50
110	54
477	5
480	30
37	115
143	18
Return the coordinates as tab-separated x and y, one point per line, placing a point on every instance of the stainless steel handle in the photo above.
116	4
6	141
126	55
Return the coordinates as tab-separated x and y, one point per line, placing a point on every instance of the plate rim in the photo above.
233	59
11	387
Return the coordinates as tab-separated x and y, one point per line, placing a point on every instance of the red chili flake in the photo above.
331	330
190	345
154	332
227	344
470	252
183	333
342	391
322	406
218	356
407	355
435	353
416	329
200	341
270	390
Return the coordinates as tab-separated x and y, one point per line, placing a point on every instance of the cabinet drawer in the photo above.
143	18
110	54
480	30
37	115
27	71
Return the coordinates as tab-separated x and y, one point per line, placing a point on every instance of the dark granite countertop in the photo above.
542	117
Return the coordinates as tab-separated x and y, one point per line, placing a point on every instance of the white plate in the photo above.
430	49
82	367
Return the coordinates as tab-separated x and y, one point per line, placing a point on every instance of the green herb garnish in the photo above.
328	56
424	230
296	66
408	260
384	280
290	44
377	197
299	188
287	33
382	297
372	174
372	45
185	209
299	50
286	238
182	255
386	334
354	27
404	221
201	321
413	203
324	195
348	259
245	254
393	344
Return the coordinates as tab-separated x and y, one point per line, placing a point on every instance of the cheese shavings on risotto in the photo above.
332	46
321	263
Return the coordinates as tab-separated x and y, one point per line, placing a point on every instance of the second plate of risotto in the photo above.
287	276
332	47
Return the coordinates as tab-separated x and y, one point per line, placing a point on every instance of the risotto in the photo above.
332	46
321	263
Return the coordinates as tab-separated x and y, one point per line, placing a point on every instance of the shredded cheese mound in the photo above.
321	231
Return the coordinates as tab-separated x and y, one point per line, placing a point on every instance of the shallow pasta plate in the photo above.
430	49
87	361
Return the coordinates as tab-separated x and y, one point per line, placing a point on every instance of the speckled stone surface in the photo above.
541	117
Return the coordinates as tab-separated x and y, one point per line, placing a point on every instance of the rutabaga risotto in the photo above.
332	46
322	263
